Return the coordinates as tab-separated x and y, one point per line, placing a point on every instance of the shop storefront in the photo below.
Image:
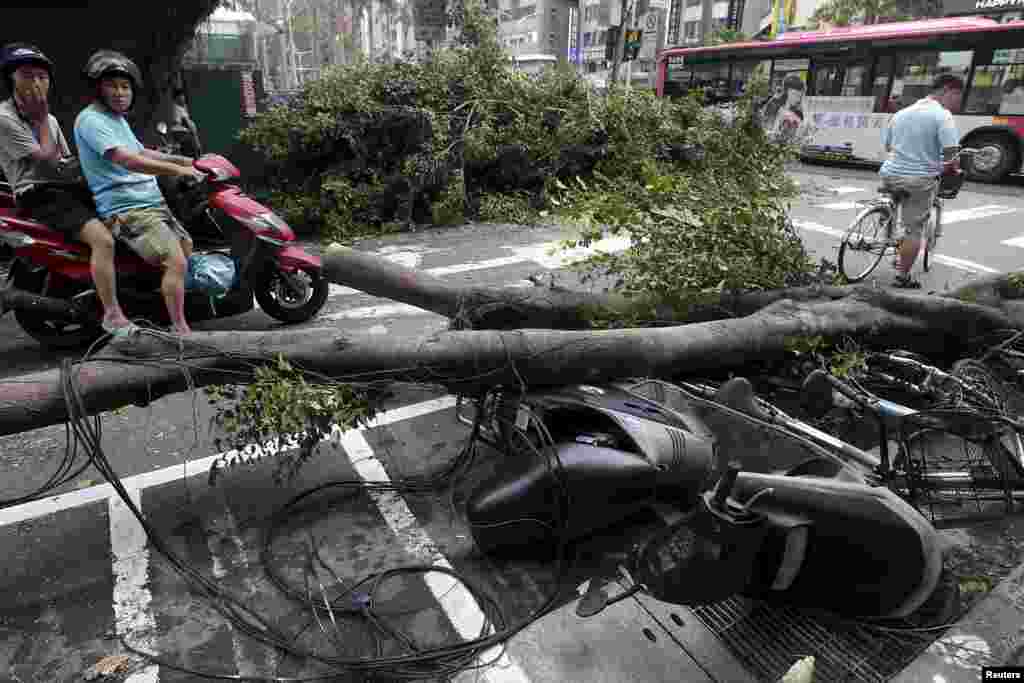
1000	10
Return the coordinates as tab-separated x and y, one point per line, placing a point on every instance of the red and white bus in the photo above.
839	87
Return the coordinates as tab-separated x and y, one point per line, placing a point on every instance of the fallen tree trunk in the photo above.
475	360
497	308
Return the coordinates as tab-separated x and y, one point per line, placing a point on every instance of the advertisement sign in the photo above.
652	25
952	7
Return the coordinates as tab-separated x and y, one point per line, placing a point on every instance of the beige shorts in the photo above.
917	207
151	232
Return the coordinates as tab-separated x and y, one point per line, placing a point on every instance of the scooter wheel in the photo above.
280	301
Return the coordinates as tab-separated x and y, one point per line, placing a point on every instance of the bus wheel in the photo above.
998	155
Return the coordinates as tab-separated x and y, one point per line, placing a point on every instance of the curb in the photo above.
990	634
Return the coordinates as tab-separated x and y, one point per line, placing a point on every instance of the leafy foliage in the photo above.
285	413
723	226
702	192
845	12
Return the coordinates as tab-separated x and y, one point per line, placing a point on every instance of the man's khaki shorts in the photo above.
151	232
917	207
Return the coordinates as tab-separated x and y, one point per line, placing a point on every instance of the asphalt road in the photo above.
78	571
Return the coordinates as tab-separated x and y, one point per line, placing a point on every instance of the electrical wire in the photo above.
86	433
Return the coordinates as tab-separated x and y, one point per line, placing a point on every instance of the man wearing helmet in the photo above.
38	165
120	172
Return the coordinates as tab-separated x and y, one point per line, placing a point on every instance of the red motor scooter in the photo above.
54	299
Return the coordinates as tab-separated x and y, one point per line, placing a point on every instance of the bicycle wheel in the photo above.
865	243
932	232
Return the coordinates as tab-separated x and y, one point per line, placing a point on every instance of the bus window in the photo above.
677	77
916	72
714	78
786	68
746	72
827	77
880	87
997	90
854	80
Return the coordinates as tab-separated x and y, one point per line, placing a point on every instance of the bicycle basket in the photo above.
949	185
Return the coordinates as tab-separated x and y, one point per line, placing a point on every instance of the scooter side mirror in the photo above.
161	128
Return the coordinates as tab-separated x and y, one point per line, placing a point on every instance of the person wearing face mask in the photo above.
44	176
121	174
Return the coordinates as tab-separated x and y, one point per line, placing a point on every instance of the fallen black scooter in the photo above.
815	535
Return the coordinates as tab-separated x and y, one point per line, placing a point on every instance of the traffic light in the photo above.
634	38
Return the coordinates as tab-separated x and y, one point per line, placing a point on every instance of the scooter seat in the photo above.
868	552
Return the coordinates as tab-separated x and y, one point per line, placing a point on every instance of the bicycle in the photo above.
962	448
875	229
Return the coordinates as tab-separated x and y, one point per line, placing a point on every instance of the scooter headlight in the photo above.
266	221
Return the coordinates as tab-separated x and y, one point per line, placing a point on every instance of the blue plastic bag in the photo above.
212	273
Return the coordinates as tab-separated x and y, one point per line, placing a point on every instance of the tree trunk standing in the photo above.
706	11
474	361
620	44
373	43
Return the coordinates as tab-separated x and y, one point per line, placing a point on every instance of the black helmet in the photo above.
14	55
110	63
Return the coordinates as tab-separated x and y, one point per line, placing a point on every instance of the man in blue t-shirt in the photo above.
120	173
923	142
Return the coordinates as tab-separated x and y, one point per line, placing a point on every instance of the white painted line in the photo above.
817	227
975	213
962	264
458	603
139	482
1014	242
476	265
133	617
846	189
382	311
539	253
399	310
840	206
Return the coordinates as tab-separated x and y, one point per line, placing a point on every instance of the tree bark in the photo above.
142	371
482	307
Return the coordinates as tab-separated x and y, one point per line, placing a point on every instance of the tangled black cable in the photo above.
422	663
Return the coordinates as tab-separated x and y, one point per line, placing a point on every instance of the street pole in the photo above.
620	44
580	63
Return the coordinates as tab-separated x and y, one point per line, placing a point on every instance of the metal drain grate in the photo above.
768	639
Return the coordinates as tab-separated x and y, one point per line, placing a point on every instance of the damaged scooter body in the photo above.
809	534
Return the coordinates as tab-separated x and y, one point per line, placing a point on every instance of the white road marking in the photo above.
962	264
539	253
458	603
975	213
840	206
133	616
817	227
382	311
397	310
166	475
846	189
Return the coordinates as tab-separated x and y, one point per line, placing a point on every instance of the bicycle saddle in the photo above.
895	194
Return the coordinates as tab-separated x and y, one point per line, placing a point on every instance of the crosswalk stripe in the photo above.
458	603
962	264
